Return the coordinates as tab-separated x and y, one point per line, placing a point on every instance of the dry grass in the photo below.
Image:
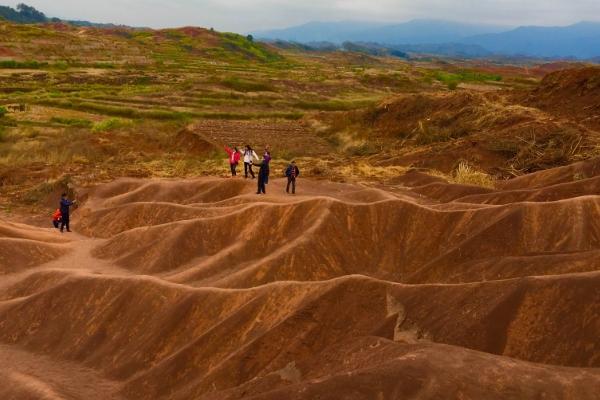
465	174
364	170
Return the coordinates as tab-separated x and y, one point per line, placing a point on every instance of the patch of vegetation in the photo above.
332	105
41	191
428	134
108	125
465	174
248	47
22	14
244	85
3	111
453	79
365	149
82	123
13	64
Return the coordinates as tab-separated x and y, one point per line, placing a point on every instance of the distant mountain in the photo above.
454	50
334	32
412	32
581	40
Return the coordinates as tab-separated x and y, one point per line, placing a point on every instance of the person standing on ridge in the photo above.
248	155
263	175
234	159
292	172
267	160
65	205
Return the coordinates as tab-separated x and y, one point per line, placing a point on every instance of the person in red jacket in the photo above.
234	159
57	218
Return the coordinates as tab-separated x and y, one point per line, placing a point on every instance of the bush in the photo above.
242	85
83	123
12	64
467	175
365	149
109	125
3	111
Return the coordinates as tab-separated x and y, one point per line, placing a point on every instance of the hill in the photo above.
506	133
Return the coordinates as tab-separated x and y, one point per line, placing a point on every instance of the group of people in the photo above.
249	155
61	217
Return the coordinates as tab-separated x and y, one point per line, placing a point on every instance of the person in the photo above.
56	218
248	155
267	160
263	174
292	172
234	159
65	205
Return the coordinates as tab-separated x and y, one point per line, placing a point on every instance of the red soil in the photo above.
202	289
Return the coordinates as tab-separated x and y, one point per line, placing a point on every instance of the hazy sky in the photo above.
245	15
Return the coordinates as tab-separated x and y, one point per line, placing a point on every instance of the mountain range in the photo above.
581	40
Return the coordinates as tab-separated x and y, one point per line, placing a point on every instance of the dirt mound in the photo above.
488	130
202	289
23	247
573	93
193	143
505	133
410	372
459	244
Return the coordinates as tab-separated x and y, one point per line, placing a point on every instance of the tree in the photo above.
31	14
250	38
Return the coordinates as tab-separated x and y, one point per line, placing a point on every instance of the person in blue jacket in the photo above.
65	205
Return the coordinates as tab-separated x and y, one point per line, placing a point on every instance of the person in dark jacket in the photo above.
65	205
263	175
267	161
292	172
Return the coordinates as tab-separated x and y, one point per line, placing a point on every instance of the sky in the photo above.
247	15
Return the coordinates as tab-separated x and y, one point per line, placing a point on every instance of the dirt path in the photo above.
35	376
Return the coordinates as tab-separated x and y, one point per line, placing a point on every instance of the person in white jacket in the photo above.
248	155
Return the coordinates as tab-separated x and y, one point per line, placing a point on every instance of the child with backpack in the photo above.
56	218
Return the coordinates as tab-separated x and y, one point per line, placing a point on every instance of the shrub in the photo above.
12	64
3	111
365	149
83	123
452	85
467	175
109	125
242	85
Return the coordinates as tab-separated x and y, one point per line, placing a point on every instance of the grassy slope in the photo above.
98	103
